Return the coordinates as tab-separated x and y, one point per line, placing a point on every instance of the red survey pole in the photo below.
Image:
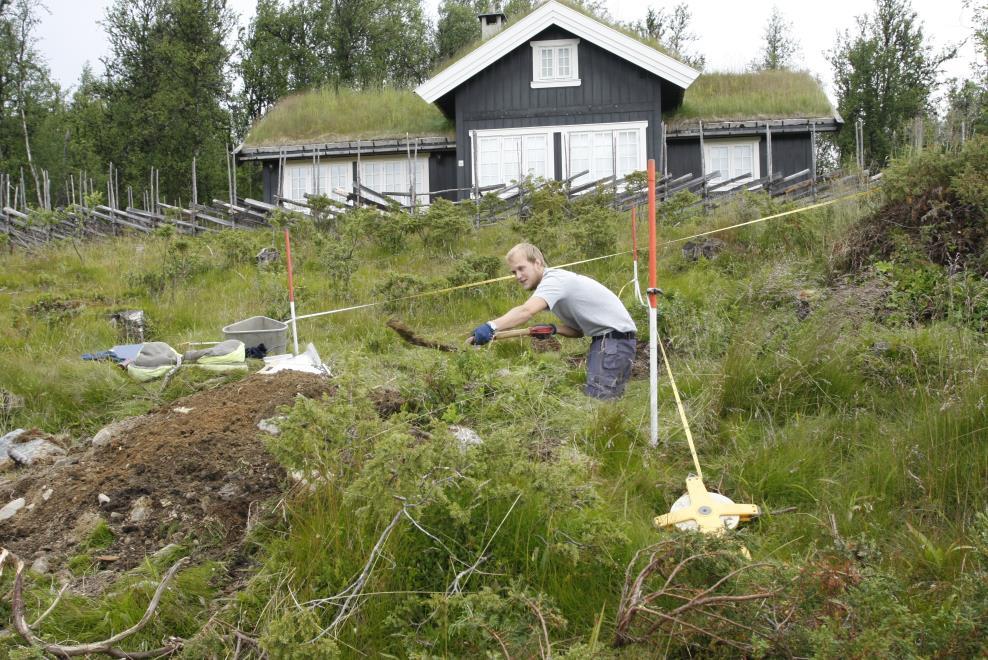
291	288
653	329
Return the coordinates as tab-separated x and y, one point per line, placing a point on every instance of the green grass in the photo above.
325	115
880	452
724	96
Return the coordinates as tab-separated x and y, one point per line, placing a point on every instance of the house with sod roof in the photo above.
556	94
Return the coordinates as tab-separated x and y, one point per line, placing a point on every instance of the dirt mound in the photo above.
936	224
188	471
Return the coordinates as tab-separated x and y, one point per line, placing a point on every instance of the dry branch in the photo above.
712	610
107	646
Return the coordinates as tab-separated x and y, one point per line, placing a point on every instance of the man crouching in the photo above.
586	308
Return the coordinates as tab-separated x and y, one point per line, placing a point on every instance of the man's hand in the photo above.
482	334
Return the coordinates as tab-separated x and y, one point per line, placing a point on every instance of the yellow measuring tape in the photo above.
505	278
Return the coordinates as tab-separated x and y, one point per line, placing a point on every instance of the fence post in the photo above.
768	155
813	158
703	164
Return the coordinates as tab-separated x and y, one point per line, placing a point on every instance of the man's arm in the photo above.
567	331
521	314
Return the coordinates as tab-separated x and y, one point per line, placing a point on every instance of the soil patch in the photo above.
189	471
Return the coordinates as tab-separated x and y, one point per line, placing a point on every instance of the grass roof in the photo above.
757	95
325	115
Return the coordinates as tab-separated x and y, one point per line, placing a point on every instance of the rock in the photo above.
141	509
40	565
268	255
131	324
228	492
113	431
11	509
708	248
182	410
270	425
6	442
467	436
103	498
46	494
116	515
10	402
36	451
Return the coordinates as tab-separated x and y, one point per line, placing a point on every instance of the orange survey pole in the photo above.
291	288
653	330
634	254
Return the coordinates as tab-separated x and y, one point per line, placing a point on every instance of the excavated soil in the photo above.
192	471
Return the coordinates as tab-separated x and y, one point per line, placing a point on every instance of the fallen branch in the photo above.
645	611
354	590
409	335
107	646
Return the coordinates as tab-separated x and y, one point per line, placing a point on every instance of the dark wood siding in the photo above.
501	96
442	173
791	153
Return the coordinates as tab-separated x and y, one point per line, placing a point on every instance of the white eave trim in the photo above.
584	27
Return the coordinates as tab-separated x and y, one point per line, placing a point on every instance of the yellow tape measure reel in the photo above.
710	513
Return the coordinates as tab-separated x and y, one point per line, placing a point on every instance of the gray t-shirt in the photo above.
583	303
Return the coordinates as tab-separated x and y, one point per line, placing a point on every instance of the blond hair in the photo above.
531	253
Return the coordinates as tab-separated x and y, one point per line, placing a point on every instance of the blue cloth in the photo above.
119	354
483	334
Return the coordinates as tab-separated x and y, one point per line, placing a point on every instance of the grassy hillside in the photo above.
835	381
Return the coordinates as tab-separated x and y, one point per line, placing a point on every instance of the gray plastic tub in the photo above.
259	330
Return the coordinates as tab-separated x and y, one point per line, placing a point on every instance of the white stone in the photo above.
40	565
467	436
270	425
38	450
46	495
113	431
11	509
141	509
103	498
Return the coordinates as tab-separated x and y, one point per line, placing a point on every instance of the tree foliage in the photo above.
167	91
884	73
672	29
780	47
456	28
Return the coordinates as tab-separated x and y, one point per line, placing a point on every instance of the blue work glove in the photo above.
483	334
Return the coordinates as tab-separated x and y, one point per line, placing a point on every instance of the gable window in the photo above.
731	159
555	63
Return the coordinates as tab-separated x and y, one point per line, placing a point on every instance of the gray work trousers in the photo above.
609	366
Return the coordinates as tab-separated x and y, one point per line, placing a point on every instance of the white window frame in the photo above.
394	175
555	79
709	147
614	129
298	180
521	134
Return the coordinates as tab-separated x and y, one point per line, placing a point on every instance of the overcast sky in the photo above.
730	32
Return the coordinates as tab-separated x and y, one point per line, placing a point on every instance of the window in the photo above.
555	63
599	152
300	180
503	159
393	176
731	159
